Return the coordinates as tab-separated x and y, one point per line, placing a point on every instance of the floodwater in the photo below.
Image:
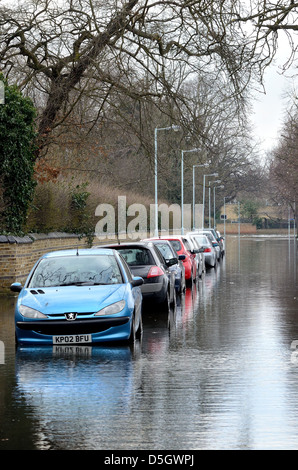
221	372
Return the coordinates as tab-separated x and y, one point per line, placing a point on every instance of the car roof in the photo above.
119	245
77	251
153	240
169	237
201	235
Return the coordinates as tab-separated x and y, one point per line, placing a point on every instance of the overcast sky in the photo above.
269	109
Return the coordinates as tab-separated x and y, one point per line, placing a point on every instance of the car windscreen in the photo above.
176	245
165	250
137	256
76	270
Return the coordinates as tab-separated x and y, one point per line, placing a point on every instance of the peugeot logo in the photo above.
70	316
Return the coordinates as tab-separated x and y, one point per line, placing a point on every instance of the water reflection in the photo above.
218	372
69	387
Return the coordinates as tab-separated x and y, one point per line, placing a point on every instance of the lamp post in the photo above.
209	221
221	187
172	127
194	191
225	197
182	188
203	212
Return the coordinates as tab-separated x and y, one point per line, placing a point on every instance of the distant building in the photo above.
266	213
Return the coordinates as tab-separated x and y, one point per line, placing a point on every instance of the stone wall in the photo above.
232	228
19	254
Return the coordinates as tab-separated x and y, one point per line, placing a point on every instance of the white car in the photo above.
199	255
210	255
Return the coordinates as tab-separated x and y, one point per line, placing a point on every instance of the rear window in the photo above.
137	256
210	236
202	240
176	245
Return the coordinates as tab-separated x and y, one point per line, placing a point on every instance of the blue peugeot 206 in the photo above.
79	296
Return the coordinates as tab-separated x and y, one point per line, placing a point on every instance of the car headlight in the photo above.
29	312
112	309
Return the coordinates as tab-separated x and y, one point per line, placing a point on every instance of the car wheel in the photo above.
139	332
174	299
132	336
190	280
184	285
167	302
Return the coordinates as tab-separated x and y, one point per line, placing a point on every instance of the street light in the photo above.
174	128
221	187
203	212
182	195
225	197
217	181
193	192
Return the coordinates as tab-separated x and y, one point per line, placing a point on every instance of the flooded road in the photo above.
219	373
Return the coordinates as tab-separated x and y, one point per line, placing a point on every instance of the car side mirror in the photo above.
16	287
182	257
171	262
137	281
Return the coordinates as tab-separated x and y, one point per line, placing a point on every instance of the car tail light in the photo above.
155	271
207	250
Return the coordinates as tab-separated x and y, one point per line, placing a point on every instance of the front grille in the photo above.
64	327
62	314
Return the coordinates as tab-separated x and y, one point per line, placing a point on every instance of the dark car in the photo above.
145	260
168	252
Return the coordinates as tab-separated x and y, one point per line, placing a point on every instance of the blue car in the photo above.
82	296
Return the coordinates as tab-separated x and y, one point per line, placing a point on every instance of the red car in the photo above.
182	247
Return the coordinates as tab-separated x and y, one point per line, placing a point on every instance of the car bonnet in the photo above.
81	299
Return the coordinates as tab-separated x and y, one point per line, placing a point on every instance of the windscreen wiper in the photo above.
83	283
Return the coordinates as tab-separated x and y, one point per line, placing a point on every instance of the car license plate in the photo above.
72	339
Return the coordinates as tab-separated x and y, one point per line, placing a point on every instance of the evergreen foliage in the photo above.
17	146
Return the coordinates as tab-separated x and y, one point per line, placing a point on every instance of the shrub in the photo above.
17	158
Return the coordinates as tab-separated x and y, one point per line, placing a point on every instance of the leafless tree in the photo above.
283	168
57	50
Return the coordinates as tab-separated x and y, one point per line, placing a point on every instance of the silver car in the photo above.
210	254
213	240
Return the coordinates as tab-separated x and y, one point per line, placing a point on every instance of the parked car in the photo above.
221	242
213	240
199	253
182	247
77	297
218	238
168	252
209	250
144	260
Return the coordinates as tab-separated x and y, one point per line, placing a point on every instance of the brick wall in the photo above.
19	254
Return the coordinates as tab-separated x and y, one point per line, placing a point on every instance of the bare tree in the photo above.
57	50
283	168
